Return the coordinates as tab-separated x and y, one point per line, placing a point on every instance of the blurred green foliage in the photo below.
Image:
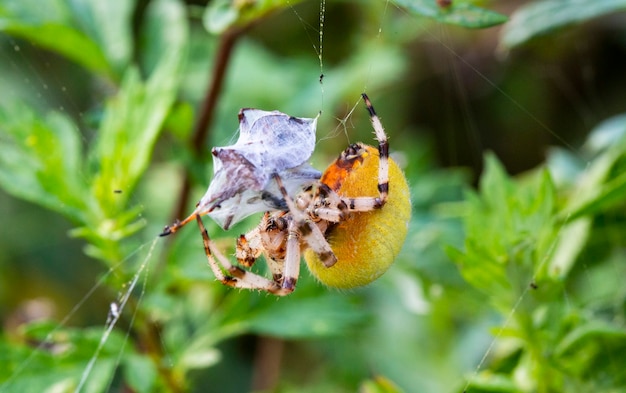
511	287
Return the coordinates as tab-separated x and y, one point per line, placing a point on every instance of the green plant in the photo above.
123	151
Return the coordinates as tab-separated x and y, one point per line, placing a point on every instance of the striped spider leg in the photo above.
238	277
350	160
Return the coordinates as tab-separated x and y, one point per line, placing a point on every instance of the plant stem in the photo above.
267	363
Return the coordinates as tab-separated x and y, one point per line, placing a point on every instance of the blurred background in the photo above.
446	94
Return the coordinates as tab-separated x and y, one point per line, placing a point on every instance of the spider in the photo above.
350	225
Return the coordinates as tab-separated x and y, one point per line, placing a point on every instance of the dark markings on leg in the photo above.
226	280
275	223
383	153
383	188
324	190
343	208
205	237
383	149
230	281
304	228
328	258
169	229
328	198
368	104
237	272
281	187
242	244
289	283
228	222
274	201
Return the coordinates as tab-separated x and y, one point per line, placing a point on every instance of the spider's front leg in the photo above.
237	277
356	164
383	151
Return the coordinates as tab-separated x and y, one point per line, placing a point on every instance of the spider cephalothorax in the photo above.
350	225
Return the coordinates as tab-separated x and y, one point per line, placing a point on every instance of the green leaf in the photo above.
495	187
164	31
180	121
61	362
219	16
134	117
597	190
109	24
572	239
222	15
40	160
460	13
140	372
379	384
606	134
488	381
541	17
610	194
594	352
34	12
321	316
130	126
510	232
199	354
49	24
589	333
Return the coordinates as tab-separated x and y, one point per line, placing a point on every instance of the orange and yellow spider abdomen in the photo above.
366	243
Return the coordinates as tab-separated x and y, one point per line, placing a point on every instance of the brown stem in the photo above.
207	111
267	363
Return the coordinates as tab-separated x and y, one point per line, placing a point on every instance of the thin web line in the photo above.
49	337
116	311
